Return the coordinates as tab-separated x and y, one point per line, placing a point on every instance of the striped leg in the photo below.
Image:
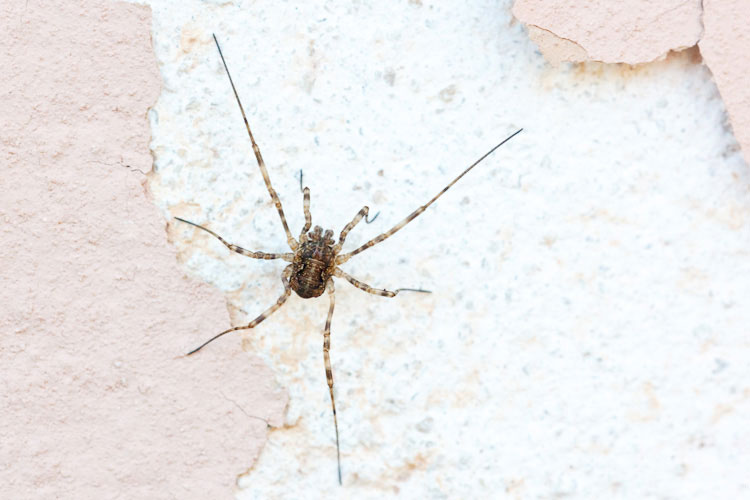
279	302
344	257
344	232
329	372
255	255
275	197
308	216
363	286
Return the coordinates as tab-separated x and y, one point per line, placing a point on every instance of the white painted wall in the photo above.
587	331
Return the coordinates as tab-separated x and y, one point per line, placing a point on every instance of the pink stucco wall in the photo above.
725	48
640	31
627	31
97	399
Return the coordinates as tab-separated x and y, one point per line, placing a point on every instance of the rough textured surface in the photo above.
588	327
725	47
639	31
626	31
97	401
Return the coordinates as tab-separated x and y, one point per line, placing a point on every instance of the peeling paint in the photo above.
98	400
725	47
629	31
637	32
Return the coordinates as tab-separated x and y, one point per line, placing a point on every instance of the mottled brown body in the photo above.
313	264
315	256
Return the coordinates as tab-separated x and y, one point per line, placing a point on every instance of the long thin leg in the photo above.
344	232
375	291
344	257
255	255
279	302
308	216
329	372
275	197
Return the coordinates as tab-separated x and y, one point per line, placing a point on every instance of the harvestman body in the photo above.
315	256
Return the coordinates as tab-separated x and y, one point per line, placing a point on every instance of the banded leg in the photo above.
344	257
308	216
235	248
279	302
363	286
329	372
344	232
275	197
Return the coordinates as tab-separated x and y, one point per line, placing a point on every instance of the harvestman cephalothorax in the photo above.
315	256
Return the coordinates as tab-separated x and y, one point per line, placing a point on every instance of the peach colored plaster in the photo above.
725	48
640	31
97	401
626	31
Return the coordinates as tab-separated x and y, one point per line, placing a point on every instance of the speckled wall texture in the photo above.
587	334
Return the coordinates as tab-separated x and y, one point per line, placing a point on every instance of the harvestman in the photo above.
315	256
